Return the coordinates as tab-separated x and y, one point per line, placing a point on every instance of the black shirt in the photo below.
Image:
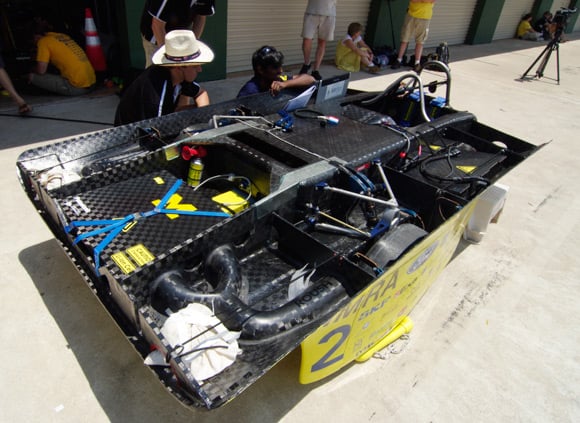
152	94
177	14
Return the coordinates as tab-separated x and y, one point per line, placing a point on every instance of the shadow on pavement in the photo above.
124	387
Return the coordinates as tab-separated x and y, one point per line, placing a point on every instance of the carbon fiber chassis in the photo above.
316	197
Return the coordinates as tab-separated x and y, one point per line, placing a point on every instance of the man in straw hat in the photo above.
169	85
161	16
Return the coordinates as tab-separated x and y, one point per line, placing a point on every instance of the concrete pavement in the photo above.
496	338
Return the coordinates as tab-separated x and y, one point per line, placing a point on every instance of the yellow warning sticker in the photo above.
174	203
140	254
467	169
123	262
171	153
234	202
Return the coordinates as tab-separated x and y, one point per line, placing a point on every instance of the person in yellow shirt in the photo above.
76	74
525	30
416	25
351	51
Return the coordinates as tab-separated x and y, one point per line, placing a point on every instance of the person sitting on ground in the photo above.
525	30
76	74
268	75
352	50
544	25
6	83
168	85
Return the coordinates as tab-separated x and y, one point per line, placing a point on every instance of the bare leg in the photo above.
320	49
418	53
402	50
306	49
6	82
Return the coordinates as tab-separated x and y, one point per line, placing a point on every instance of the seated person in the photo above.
76	74
352	50
544	25
167	86
525	30
268	75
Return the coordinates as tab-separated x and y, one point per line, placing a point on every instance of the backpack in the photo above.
442	53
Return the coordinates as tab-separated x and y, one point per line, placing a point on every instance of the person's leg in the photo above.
6	82
418	53
406	33
326	26
309	28
421	31
306	50
57	84
320	50
402	50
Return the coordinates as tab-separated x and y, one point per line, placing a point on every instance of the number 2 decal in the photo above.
326	360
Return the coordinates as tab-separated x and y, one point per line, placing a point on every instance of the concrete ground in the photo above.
496	338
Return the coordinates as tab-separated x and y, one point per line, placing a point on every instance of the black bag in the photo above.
442	53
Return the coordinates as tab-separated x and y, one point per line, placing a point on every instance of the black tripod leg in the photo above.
536	61
544	63
558	62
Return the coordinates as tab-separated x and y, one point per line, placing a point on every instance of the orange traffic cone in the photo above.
93	45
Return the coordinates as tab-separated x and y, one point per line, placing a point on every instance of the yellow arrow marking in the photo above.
174	203
467	169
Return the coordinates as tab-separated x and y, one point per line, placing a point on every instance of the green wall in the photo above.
484	21
386	16
384	23
540	6
574	18
133	17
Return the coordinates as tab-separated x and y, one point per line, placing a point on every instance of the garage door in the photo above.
510	17
450	22
254	23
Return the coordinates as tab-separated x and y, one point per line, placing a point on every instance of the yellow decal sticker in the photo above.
140	254
174	203
171	153
467	169
232	200
123	262
372	314
159	180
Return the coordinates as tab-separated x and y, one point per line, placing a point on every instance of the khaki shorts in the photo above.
318	24
415	28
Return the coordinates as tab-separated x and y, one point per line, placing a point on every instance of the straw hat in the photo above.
182	48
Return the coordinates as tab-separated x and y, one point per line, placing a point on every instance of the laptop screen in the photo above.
334	87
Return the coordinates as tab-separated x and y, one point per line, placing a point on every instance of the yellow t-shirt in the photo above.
68	57
421	10
523	27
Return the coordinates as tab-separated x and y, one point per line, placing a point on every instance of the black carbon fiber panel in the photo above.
156	234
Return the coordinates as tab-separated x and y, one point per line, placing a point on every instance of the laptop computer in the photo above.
333	87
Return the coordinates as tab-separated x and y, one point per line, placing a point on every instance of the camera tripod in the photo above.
544	58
